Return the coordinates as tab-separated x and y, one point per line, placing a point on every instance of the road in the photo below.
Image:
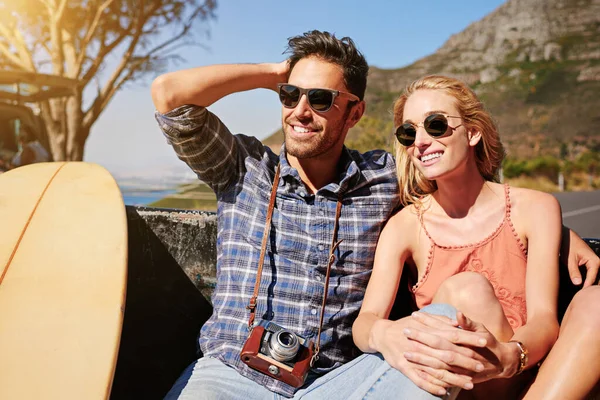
581	212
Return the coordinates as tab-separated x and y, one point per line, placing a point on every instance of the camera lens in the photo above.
287	339
284	345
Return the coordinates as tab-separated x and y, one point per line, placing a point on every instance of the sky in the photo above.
390	33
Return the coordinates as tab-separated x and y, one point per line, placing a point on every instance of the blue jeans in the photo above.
366	377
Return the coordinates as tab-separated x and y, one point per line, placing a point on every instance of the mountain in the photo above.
534	63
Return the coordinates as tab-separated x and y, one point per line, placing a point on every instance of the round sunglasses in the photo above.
435	125
319	100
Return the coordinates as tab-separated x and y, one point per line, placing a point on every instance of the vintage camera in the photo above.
279	353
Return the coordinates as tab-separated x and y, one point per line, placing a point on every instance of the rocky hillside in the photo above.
536	65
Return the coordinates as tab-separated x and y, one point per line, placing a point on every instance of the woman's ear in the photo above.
474	136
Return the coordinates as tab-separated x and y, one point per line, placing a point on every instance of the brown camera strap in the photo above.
334	244
252	305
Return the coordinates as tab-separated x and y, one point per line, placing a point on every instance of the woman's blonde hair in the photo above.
489	152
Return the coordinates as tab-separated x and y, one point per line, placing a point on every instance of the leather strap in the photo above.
252	305
332	248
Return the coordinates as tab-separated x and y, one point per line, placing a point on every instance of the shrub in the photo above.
513	168
543	166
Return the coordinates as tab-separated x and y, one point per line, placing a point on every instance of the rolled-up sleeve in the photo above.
203	142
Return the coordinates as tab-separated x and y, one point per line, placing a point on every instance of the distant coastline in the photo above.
142	197
193	196
145	186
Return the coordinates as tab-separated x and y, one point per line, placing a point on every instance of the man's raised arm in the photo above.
202	86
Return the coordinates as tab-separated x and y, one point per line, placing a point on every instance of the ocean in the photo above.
143	197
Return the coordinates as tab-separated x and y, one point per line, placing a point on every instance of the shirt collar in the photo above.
349	175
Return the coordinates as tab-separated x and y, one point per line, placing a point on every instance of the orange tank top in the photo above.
501	258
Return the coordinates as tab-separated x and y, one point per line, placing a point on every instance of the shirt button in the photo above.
321	247
319	278
321	212
313	311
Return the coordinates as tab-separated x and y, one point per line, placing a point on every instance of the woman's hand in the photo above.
446	364
490	358
502	358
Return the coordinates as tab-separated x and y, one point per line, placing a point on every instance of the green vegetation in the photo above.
372	133
196	188
541	173
193	196
545	166
186	204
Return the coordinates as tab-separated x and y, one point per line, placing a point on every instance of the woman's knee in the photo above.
466	289
585	308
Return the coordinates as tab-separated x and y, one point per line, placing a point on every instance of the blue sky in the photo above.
391	34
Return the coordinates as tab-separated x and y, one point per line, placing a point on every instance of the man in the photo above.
315	170
30	150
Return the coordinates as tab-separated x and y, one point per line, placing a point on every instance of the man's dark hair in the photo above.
342	52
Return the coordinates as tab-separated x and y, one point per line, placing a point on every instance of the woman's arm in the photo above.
393	248
542	222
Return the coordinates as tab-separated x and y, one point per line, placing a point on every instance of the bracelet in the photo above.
523	357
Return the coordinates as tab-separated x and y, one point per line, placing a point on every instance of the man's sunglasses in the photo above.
435	125
319	100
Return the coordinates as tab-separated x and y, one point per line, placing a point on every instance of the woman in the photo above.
487	249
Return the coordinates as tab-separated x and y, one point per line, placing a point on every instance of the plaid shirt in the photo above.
240	169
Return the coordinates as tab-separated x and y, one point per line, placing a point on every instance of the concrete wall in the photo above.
171	274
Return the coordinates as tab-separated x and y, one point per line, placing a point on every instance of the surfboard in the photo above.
63	275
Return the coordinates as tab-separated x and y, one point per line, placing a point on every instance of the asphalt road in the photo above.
581	212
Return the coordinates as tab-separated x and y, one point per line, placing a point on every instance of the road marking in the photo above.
580	211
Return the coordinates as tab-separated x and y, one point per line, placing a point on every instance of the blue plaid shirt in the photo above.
240	169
